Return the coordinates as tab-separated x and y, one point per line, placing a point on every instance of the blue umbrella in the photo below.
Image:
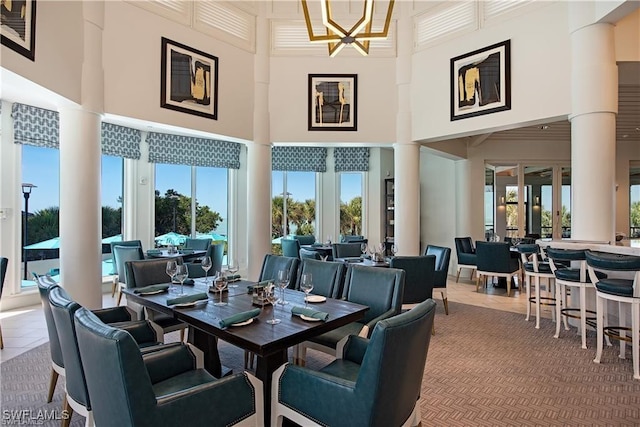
170	238
116	238
53	243
214	236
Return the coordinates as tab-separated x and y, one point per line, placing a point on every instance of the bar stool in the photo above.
534	267
574	276
622	290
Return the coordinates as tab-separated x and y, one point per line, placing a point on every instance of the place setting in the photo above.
306	313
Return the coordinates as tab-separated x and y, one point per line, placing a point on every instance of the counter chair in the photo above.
494	260
570	269
121	252
346	250
3	272
381	289
271	264
466	253
306	253
534	267
623	289
443	256
215	252
306	239
327	276
373	382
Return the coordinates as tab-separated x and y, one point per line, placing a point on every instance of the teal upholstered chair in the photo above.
159	389
274	263
197	244
495	260
307	239
374	382
381	289
122	252
419	278
62	309
624	289
215	251
570	277
3	272
306	253
466	253
536	269
152	272
348	238
443	256
346	250
290	248
327	276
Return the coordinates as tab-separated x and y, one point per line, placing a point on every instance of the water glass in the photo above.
220	283
271	297
282	281
206	266
306	285
181	275
171	269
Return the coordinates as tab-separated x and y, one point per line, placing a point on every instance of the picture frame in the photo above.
188	80
333	102
18	27
481	81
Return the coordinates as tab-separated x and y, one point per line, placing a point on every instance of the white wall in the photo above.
132	47
540	67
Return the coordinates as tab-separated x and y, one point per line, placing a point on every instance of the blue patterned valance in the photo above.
313	159
351	159
187	150
120	141
35	126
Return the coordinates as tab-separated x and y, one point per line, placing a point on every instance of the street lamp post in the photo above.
26	192
175	204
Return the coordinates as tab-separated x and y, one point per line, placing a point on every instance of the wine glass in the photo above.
206	266
232	268
329	239
181	274
394	249
306	284
283	281
363	249
171	269
271	297
220	284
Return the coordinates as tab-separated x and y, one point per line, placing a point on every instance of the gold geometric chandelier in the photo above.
358	36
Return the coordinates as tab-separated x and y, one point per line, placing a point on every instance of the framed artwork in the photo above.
189	80
333	102
18	26
481	81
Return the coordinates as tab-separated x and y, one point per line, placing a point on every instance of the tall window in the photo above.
293	203
174	221
41	167
111	184
634	201
351	203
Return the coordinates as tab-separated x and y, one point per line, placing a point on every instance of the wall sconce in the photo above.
536	201
502	201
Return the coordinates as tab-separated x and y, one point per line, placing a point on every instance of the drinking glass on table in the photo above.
283	281
271	297
394	249
232	268
206	266
171	269
306	285
220	283
181	275
363	249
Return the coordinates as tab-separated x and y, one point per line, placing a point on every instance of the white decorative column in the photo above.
80	162
406	153
594	99
259	160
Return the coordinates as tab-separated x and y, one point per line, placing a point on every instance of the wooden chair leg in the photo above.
458	275
119	296
114	285
67	412
52	385
182	334
446	304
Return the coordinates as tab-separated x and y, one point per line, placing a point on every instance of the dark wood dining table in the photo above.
187	255
268	342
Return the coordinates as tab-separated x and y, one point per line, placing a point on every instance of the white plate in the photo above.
309	319
316	298
189	304
159	291
246	322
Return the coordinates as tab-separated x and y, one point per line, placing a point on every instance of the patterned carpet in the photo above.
484	368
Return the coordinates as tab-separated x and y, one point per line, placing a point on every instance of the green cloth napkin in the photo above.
150	288
233	277
309	312
239	317
187	299
154	252
186	251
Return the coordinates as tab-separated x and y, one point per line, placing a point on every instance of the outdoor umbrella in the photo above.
170	238
53	243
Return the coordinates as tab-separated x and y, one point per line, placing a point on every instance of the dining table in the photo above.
186	255
268	342
362	261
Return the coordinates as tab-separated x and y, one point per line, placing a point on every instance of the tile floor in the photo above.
25	328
